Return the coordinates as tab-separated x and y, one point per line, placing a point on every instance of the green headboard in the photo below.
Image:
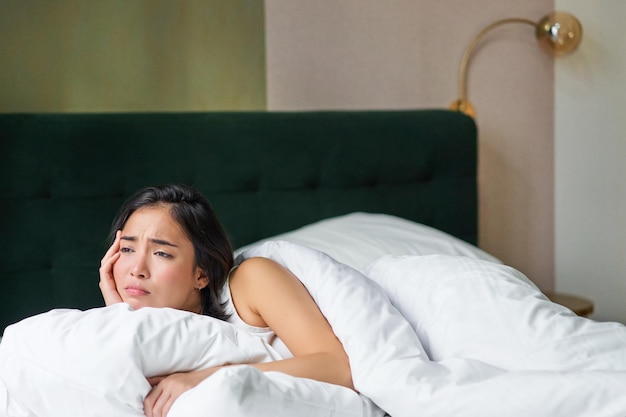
63	177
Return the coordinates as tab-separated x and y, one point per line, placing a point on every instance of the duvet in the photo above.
431	335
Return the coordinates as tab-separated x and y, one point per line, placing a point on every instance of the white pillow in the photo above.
58	362
358	239
92	363
244	391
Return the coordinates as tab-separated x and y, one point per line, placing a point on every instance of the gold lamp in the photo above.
558	33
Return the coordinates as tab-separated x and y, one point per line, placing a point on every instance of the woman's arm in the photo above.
267	294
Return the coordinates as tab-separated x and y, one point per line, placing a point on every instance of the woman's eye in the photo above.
163	254
125	250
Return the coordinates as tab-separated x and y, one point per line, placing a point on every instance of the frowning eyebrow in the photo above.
153	240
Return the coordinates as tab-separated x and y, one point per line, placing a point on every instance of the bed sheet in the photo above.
564	365
426	335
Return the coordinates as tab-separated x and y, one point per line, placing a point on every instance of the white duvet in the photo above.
426	336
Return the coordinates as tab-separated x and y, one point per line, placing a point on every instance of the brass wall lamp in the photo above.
558	33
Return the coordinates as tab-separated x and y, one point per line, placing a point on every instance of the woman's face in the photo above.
156	267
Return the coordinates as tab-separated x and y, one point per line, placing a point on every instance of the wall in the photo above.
590	167
140	55
347	54
76	55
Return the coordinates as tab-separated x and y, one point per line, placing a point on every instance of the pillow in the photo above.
244	391
88	363
92	363
357	239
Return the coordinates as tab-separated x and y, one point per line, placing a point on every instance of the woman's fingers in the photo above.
166	389
158	401
114	248
150	401
107	282
106	267
155	380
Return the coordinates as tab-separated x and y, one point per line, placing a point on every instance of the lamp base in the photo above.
464	106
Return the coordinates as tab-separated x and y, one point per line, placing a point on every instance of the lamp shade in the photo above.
559	33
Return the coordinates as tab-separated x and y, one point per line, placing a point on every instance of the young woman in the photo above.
169	250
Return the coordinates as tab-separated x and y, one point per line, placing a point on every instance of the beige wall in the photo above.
590	165
139	55
118	55
341	54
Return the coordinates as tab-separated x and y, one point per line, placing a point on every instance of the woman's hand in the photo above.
107	283
166	389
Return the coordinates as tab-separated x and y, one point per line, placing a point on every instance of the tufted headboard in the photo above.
63	177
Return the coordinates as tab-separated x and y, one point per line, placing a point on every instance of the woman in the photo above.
169	250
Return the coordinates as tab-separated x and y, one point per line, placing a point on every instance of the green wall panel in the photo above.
140	55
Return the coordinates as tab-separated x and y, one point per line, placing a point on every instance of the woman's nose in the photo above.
140	267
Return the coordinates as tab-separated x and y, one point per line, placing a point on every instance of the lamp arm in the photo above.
470	49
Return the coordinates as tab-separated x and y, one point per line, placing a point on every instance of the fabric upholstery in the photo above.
63	177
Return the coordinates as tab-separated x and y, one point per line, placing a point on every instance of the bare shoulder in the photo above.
263	277
270	295
260	271
259	263
259	282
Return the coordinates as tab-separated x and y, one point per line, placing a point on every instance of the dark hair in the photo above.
193	212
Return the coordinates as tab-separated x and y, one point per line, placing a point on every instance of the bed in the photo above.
64	176
379	205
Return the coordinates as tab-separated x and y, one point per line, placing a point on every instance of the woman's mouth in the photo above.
136	291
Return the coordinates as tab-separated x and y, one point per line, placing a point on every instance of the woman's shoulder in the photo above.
256	272
254	282
256	265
